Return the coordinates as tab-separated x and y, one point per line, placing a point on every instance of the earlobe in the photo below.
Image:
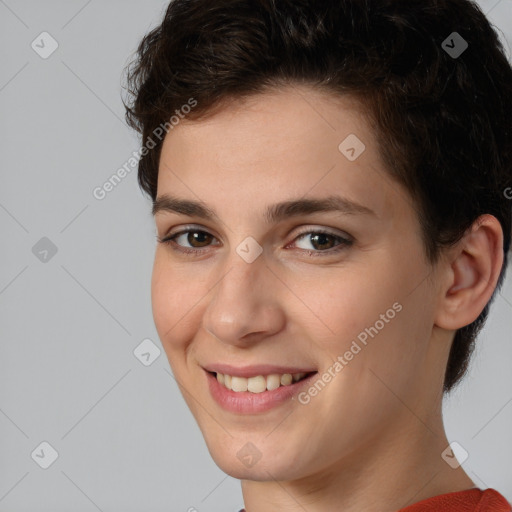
473	274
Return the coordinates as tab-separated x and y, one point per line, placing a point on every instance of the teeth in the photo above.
239	383
260	383
273	382
256	384
286	379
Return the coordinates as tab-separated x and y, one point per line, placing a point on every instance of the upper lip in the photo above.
255	370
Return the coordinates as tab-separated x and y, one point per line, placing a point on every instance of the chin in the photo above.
243	461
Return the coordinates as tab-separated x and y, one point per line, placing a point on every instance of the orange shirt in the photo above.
471	500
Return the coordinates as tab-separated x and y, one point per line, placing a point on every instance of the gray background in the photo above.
70	323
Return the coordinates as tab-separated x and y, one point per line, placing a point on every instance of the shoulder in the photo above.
470	500
492	500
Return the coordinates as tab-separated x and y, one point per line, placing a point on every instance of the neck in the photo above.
391	472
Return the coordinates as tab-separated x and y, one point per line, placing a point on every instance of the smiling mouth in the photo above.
260	383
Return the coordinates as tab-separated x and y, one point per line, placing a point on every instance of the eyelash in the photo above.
343	242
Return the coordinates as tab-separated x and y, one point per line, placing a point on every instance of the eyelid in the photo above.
328	231
186	228
310	228
344	240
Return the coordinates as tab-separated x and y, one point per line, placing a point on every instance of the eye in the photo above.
196	238
322	240
199	241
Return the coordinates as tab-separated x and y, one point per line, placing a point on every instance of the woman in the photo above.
329	190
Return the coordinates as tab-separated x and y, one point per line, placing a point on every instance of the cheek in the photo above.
373	313
176	299
350	300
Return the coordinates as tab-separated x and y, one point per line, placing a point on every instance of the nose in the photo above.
244	306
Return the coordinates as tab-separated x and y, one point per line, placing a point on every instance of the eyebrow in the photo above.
274	213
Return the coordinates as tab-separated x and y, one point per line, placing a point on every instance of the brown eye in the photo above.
188	241
323	242
197	238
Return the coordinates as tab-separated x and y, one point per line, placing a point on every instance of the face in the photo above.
342	293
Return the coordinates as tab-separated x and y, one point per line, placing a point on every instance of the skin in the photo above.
372	439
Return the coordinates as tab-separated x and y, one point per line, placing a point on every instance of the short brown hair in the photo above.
442	121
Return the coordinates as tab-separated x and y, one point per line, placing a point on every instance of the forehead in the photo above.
279	115
288	142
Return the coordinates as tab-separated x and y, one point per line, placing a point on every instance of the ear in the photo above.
472	271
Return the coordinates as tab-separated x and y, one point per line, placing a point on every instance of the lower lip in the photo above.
245	402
